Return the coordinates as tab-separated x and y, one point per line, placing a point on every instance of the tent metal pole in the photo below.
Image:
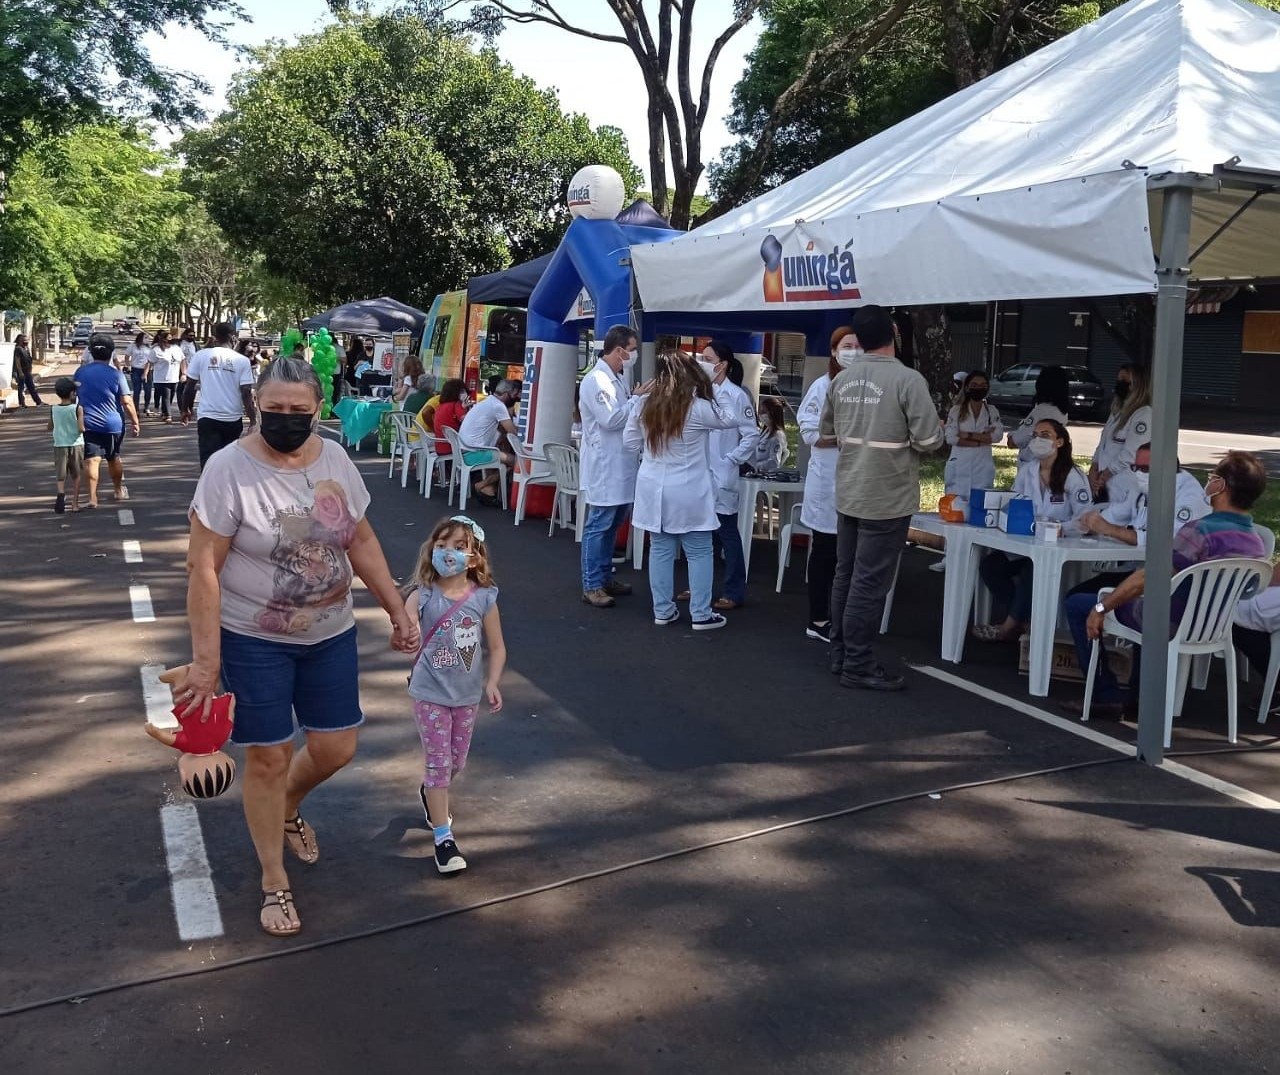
1166	401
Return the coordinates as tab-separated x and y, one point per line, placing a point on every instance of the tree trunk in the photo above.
931	339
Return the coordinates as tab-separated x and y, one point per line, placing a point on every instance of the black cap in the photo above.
102	347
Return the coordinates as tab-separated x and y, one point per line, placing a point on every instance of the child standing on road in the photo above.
456	604
66	422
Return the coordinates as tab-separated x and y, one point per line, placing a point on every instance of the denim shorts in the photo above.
274	681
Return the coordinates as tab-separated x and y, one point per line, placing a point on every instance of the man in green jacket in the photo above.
883	418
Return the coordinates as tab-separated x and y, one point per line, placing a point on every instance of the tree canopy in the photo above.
385	156
69	62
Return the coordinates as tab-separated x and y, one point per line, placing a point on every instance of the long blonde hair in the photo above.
424	572
666	409
1139	394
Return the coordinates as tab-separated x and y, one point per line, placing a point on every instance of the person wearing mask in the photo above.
1050	403
479	434
1227	531
731	448
772	450
166	366
1060	492
607	467
675	496
1128	427
973	426
104	399
355	353
818	508
224	381
138	357
881	415
23	367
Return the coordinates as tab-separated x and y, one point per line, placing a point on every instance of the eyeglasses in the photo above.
1140	468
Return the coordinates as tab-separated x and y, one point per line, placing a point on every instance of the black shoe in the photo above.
712	623
615	588
836	667
60	503
448	858
820	631
488	500
875	680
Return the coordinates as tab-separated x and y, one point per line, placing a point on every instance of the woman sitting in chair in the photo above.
1060	492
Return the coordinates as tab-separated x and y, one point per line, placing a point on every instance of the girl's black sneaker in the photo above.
448	858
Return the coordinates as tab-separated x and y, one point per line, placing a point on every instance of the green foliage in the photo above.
92	215
68	62
384	156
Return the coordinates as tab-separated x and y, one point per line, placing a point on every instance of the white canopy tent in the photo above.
1131	156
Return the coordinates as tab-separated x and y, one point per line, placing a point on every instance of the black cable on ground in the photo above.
607	871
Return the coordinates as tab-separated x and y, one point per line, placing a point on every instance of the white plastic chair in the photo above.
564	466
1213	589
531	469
461	479
433	467
1200	667
402	448
790	529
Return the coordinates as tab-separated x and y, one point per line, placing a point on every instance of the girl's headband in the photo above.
476	528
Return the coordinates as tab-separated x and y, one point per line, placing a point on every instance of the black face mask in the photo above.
285	433
1122	390
977	394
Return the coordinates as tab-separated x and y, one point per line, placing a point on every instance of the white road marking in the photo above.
156	696
195	904
132	552
140	599
1224	787
126	516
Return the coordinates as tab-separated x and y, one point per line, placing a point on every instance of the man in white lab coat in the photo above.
607	470
730	449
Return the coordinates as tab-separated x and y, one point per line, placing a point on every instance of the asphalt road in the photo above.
1110	919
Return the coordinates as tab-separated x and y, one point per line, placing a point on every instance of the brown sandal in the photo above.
301	838
282	898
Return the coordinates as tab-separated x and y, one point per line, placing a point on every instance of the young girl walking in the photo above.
456	604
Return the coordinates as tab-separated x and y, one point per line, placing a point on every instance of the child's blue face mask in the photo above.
449	562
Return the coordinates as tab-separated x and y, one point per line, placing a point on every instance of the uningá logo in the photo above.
580	195
810	276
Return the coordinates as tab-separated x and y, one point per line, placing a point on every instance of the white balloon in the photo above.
596	192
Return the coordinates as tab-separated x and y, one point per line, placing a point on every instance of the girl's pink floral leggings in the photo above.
446	739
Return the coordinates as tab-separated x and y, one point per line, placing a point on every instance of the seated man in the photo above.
1257	619
484	424
1227	531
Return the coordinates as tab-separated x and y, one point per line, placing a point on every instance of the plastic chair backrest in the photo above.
455	442
1268	539
403	421
1212	591
564	465
524	458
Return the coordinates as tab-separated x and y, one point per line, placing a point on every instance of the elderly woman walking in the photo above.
277	529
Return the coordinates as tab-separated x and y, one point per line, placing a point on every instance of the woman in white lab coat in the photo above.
973	425
675	499
1053	388
1127	430
1060	493
818	510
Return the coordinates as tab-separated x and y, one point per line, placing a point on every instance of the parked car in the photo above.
1015	388
81	333
769	378
125	324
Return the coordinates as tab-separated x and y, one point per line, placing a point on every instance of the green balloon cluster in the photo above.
290	341
324	360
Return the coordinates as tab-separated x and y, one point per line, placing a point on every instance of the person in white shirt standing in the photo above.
730	449
188	345
479	434
607	470
166	365
138	358
225	384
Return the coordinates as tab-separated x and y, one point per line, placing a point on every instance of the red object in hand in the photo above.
195	736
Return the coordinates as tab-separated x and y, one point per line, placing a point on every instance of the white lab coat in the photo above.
1189	504
607	469
730	448
818	510
1118	446
1065	507
1261	613
971	468
1021	436
674	488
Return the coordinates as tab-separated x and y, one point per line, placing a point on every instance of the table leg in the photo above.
746	526
1046	590
957	590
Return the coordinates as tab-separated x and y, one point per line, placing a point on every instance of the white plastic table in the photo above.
956	536
1047	558
747	490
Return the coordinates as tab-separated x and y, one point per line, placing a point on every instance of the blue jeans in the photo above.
735	564
1106	688
136	381
599	535
662	570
